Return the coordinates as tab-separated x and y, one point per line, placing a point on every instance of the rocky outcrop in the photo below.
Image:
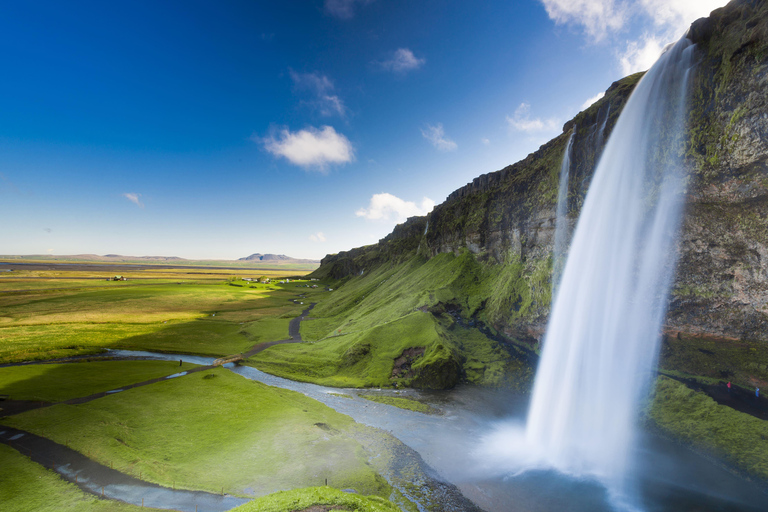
721	284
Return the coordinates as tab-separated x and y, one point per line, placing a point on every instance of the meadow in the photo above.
51	314
211	430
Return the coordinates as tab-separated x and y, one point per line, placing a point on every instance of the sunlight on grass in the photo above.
210	430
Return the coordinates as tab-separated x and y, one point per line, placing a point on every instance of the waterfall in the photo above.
562	231
602	338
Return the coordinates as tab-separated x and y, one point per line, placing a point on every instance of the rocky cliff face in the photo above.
721	285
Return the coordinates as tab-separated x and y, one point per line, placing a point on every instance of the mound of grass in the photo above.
362	327
28	487
716	430
57	382
403	403
362	359
204	433
300	499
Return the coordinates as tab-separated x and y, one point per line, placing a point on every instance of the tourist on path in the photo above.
757	392
729	386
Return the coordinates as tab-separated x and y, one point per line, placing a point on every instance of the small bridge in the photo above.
228	359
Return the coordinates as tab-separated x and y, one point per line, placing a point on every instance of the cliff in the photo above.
720	287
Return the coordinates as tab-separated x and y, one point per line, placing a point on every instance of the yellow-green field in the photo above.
211	430
51	314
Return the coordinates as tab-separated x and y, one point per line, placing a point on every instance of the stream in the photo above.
670	478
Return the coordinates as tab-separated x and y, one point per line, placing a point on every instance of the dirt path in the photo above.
11	407
294	336
741	399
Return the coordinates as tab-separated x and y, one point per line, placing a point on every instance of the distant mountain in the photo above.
275	258
252	261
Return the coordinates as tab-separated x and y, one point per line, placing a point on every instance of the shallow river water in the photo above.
669	478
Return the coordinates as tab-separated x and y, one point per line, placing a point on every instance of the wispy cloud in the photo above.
486	141
402	61
312	148
662	22
134	198
598	17
385	207
317	237
343	9
47	230
436	135
640	55
592	100
522	121
324	99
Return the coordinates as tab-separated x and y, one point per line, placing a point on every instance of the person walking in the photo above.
757	392
729	386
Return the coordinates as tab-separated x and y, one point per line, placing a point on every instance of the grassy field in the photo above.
360	329
214	317
300	499
710	428
25	486
212	430
403	403
57	382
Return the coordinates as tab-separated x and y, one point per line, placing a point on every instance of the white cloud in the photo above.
436	135
523	122
592	100
386	207
598	17
485	141
322	89
134	198
402	60
343	9
679	13
662	22
317	237
312	148
641	55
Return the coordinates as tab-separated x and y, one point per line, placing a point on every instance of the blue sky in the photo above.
213	130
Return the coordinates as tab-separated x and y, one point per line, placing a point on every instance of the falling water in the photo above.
601	131
602	338
562	231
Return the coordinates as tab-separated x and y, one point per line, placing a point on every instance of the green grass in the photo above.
298	499
361	359
716	430
403	403
159	317
57	382
210	430
28	487
361	327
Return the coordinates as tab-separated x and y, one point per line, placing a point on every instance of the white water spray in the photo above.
602	338
562	230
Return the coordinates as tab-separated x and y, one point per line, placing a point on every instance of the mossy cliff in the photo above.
505	219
